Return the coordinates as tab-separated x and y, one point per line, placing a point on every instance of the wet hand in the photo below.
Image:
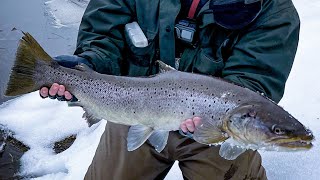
189	125
56	90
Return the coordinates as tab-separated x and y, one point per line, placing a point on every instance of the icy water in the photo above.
30	16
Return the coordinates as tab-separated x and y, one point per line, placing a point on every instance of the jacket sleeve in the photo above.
263	56
100	37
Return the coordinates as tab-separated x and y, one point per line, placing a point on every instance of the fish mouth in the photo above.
297	144
294	143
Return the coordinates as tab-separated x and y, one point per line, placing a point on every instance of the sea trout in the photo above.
232	116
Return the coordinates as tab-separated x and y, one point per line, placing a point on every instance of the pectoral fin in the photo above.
229	151
137	135
159	139
207	133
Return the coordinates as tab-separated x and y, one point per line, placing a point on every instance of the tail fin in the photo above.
21	79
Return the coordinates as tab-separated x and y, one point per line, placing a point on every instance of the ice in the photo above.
66	12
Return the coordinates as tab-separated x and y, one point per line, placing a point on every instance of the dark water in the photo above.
29	16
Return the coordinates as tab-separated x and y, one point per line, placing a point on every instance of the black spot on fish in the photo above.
227	109
212	117
181	112
193	113
193	100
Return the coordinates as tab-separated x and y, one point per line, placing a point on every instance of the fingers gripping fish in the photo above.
232	116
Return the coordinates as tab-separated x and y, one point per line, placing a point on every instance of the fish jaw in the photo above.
268	127
286	143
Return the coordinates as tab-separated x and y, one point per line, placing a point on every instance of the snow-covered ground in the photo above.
39	123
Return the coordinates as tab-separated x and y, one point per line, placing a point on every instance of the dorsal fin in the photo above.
163	67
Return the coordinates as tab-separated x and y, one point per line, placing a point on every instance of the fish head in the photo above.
265	125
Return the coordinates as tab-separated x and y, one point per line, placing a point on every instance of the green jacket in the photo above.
258	55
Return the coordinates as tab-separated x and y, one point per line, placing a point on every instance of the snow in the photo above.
41	122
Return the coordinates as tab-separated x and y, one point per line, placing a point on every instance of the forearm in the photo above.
100	38
263	57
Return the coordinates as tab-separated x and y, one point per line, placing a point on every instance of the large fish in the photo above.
232	116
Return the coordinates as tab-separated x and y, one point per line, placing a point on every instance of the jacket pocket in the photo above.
206	63
141	56
140	60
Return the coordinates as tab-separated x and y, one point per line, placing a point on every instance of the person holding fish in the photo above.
248	42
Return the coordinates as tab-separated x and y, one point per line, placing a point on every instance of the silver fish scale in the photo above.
161	102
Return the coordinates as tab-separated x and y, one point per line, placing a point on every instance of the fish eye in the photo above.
277	130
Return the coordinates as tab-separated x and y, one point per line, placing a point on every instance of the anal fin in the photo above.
159	139
137	135
88	116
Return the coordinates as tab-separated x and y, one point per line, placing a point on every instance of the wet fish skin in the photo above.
233	116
